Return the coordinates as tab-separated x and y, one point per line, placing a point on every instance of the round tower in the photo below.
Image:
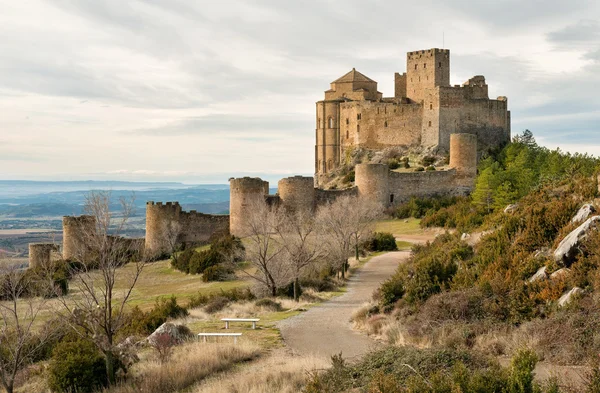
40	253
242	191
463	158
77	233
162	231
297	193
372	181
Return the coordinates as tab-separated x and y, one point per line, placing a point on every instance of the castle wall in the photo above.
404	185
77	233
327	149
40	254
202	228
377	125
399	85
297	193
460	112
323	197
463	158
243	192
162	228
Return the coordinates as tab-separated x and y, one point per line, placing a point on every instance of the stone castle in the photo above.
425	111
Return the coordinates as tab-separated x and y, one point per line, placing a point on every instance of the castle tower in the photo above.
40	253
297	193
242	192
463	158
77	233
162	229
372	181
426	69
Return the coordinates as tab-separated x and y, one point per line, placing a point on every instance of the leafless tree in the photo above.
265	249
98	311
19	313
297	232
343	224
362	219
172	230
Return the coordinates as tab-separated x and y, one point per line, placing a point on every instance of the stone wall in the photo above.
323	197
426	69
297	193
242	193
404	185
201	228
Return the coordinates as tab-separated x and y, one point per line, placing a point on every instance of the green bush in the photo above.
349	177
76	367
216	273
428	161
430	168
420	207
319	284
393	163
216	304
381	241
233	295
419	169
223	249
144	323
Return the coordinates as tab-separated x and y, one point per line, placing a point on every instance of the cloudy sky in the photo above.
198	91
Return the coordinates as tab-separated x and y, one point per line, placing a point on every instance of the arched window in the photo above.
416	66
377	110
329	164
385	124
347	134
357	128
347	121
430	106
430	123
440	64
330	122
425	65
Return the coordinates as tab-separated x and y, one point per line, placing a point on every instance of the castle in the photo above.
425	111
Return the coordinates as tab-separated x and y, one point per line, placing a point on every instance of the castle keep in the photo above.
424	111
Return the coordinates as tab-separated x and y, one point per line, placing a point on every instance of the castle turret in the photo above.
162	229
242	192
372	181
297	193
426	69
40	254
77	234
463	158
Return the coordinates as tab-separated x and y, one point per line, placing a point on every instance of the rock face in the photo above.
568	248
560	273
465	236
177	333
567	297
584	212
511	208
539	275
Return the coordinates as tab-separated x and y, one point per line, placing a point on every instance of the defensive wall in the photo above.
77	234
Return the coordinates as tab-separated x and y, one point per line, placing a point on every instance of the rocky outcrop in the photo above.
465	236
568	296
568	248
584	212
539	275
511	208
560	273
177	333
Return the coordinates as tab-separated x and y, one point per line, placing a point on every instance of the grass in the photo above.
409	226
403	245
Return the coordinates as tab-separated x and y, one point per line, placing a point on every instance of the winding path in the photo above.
326	330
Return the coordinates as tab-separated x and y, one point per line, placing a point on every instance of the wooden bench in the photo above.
234	335
227	320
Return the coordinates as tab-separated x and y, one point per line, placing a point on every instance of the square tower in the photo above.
426	69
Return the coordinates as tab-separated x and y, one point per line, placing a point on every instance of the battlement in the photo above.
431	52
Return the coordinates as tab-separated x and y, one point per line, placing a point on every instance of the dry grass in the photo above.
190	363
400	227
278	373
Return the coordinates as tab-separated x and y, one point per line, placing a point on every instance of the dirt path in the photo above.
326	330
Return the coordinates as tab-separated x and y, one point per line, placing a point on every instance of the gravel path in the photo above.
326	330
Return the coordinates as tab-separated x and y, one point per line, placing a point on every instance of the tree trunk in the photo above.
110	360
356	252
296	287
343	270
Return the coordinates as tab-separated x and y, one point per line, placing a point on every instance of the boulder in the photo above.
560	273
568	248
543	252
465	236
539	275
584	212
511	208
177	333
568	296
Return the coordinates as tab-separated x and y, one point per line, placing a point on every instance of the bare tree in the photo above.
343	224
98	312
362	219
265	248
298	236
19	313
172	230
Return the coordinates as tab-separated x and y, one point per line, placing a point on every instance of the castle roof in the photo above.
353	76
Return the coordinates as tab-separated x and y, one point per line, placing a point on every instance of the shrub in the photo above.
268	304
420	207
430	168
233	295
381	241
349	177
216	304
405	163
76	367
145	323
394	163
216	273
419	169
319	284
222	250
391	291
428	161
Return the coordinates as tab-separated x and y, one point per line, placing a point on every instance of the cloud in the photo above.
584	31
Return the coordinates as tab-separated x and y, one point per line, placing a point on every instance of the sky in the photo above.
200	91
